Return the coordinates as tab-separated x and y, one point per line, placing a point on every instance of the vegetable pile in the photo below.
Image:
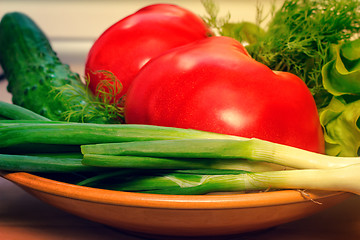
175	104
153	159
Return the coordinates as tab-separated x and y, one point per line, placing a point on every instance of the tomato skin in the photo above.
214	85
128	44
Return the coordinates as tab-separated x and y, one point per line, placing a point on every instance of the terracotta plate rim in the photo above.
225	201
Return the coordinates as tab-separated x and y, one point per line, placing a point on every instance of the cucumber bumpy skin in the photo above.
38	80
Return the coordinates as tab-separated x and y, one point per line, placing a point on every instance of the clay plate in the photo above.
178	216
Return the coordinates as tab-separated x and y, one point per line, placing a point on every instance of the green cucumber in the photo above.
38	80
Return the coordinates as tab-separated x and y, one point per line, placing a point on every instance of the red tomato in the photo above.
128	44
214	85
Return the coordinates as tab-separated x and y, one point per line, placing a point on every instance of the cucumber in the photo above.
38	80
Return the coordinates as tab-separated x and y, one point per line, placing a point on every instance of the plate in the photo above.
178	216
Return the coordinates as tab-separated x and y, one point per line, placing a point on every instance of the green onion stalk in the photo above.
214	151
187	183
302	169
337	179
154	158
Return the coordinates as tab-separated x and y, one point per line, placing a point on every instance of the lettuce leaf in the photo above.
340	121
342	75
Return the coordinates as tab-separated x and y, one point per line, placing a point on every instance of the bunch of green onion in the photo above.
164	160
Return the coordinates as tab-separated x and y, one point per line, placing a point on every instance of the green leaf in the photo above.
341	132
342	75
351	50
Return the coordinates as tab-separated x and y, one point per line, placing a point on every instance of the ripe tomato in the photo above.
128	44
214	85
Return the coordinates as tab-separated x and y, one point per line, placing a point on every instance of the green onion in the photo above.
135	180
87	133
12	111
173	181
186	161
252	149
336	179
144	162
11	123
94	180
141	162
44	163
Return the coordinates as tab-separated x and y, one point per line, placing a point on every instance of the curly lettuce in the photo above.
340	121
342	75
341	118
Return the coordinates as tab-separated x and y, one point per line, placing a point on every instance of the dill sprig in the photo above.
244	32
96	108
108	92
212	18
300	36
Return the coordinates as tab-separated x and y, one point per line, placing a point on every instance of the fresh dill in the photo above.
97	107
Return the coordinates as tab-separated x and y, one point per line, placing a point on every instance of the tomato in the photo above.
127	45
214	85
